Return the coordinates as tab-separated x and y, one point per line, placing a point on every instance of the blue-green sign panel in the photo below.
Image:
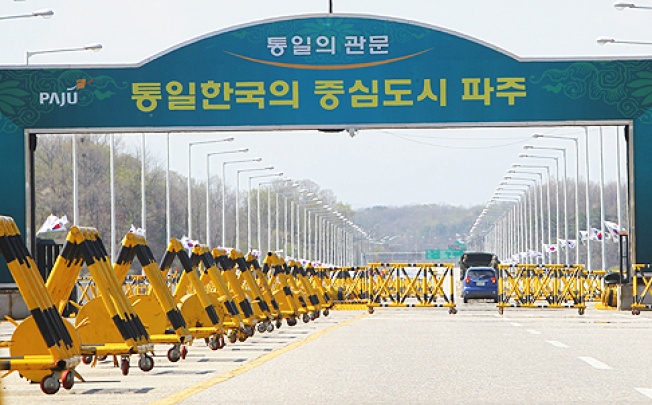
327	72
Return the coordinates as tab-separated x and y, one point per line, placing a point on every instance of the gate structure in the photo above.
325	71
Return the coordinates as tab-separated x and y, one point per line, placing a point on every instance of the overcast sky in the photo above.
377	167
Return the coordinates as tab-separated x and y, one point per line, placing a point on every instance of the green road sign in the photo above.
441	254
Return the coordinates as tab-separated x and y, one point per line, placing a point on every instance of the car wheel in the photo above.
466	300
496	299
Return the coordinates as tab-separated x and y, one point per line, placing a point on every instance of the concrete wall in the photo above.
13	305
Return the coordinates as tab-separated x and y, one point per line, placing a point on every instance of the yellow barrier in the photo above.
411	285
547	286
153	300
107	324
195	303
641	273
44	348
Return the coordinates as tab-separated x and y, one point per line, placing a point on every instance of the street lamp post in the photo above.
224	164
190	145
547	168
249	247
91	47
237	203
45	13
208	187
577	193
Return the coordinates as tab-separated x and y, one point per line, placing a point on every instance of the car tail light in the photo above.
493	280
467	280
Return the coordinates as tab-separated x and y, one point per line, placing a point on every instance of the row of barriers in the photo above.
215	294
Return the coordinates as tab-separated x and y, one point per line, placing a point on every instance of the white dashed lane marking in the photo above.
595	363
558	344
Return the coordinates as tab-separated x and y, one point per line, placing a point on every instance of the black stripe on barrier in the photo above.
167	260
287	291
142	255
122	327
20	249
176	319
303	302
246	308
7	251
87	253
56	324
148	252
263	305
275	305
313	299
125	255
138	323
212	314
5	364
185	261
43	326
327	297
231	307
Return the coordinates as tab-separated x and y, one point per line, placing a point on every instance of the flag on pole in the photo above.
572	243
137	231
584	237
596	234
613	230
550	248
54	224
562	243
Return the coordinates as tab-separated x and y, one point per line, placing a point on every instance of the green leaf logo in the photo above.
10	97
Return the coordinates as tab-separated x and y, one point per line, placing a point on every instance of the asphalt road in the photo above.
409	356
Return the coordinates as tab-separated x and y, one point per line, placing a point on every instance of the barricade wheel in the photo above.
101	358
452	311
146	363
213	344
279	323
174	354
261	327
580	311
305	318
326	312
270	327
124	366
292	321
50	384
249	331
500	310
184	352
87	358
233	337
370	310
67	379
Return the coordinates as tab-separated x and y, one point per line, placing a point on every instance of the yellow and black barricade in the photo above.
641	280
542	286
411	285
107	324
154	303
195	304
44	347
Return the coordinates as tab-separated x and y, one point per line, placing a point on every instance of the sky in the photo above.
376	167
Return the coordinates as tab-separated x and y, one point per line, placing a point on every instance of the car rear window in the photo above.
479	274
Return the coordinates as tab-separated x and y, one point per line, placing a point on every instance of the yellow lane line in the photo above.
197	388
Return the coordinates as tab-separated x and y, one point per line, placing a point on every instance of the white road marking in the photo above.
534	332
595	363
518	325
558	344
645	391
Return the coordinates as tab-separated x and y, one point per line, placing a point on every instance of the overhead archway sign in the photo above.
328	72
